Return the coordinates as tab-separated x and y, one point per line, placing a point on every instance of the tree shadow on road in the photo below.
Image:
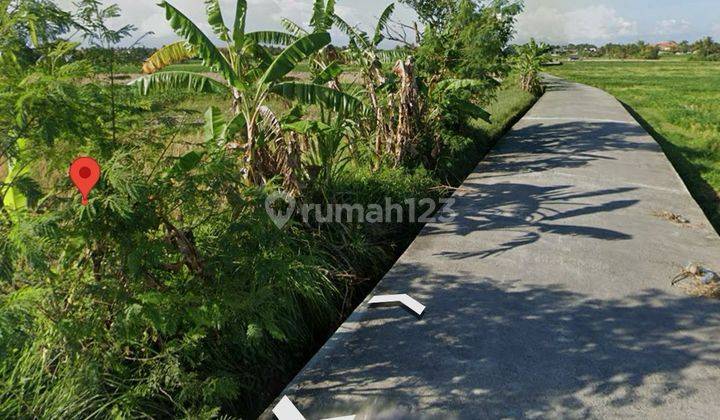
540	147
516	349
531	209
489	349
526	212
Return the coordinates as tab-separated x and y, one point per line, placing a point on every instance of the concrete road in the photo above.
548	296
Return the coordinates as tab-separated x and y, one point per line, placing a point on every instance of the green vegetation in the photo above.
195	66
705	49
172	294
529	59
680	105
640	49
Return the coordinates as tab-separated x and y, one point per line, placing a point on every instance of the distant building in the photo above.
667	46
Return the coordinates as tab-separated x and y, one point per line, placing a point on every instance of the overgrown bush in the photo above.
172	294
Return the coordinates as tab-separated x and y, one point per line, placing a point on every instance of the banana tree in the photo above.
325	67
528	63
248	73
365	51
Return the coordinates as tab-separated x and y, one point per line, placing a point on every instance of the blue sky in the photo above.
556	21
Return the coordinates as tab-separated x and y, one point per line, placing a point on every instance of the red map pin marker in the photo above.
85	173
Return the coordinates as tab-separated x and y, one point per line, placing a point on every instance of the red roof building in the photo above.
667	46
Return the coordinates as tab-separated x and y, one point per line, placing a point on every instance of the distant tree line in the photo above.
100	56
702	49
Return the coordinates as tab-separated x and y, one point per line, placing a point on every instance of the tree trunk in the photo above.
407	109
235	101
250	155
380	128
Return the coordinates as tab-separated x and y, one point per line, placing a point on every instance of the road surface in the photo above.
548	296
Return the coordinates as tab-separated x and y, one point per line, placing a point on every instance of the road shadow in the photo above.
541	147
512	349
528	211
706	196
489	200
555	84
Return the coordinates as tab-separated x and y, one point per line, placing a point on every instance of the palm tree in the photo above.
250	75
706	47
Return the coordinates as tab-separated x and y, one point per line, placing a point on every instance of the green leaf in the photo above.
309	93
356	36
450	85
300	127
294	54
13	200
329	73
214	124
23	192
236	125
293	28
317	21
215	19
170	80
254	332
275	332
212	57
272	37
382	22
260	53
330	9
306	126
33	32
471	110
186	163
239	25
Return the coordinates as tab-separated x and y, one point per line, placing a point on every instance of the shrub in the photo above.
172	294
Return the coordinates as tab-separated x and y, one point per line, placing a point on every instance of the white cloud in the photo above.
672	27
597	23
262	15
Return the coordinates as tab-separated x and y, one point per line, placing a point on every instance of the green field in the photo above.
679	103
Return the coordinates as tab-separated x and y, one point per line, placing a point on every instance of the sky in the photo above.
603	21
553	21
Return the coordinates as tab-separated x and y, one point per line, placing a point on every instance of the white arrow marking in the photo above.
285	410
404	300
